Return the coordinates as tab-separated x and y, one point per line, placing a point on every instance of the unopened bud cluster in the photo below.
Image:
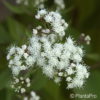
32	96
20	84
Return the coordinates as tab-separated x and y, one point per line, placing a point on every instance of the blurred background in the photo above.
16	23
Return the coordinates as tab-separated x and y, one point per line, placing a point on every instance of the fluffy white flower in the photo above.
15	70
57	59
48	71
55	20
17	57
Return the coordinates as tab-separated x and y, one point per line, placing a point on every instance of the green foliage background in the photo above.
83	17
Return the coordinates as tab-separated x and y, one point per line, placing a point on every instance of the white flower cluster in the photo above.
19	59
33	96
20	84
58	58
40	3
55	20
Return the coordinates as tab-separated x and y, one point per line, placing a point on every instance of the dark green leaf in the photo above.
4	79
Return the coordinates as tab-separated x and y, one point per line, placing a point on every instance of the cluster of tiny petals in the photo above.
19	59
54	19
60	60
57	60
40	3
